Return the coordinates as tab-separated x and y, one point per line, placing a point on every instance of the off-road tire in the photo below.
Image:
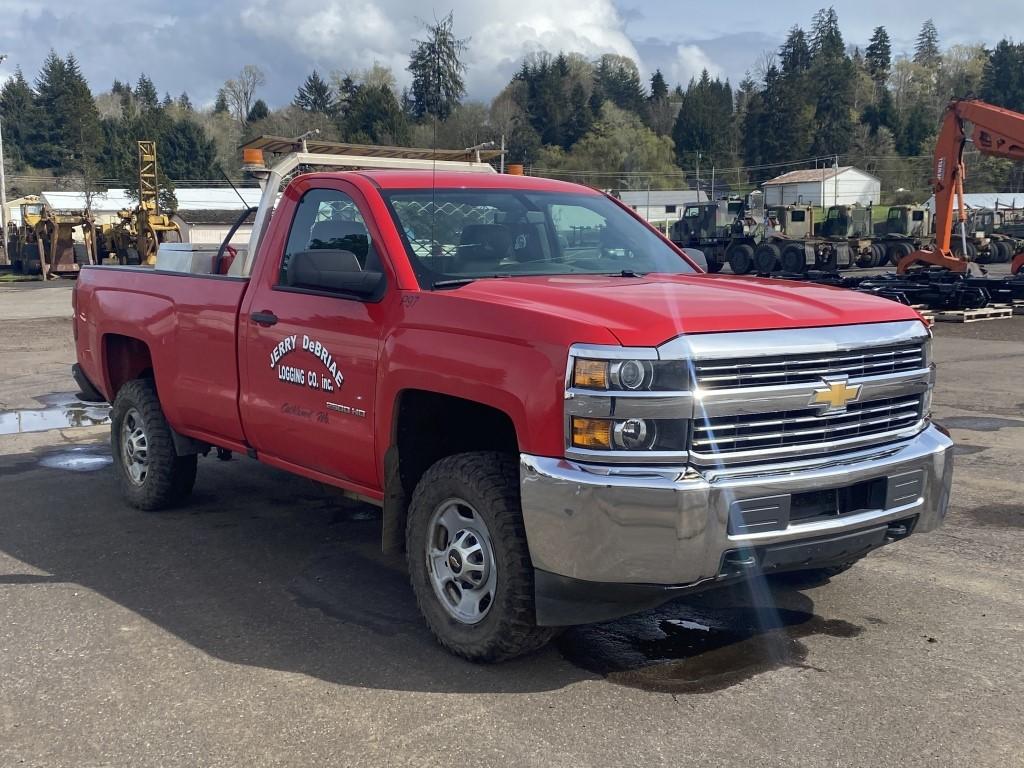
490	482
714	265
170	477
794	259
767	258
741	259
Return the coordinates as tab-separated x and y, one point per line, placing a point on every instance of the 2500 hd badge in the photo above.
307	378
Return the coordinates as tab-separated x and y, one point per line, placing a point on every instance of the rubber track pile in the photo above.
935	288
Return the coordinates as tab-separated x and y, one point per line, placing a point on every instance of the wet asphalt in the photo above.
260	625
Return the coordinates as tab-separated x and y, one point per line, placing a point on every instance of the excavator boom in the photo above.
995	131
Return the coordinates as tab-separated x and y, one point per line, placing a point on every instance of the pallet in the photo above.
925	311
974	315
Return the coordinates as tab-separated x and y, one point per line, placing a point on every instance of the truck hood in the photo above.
650	310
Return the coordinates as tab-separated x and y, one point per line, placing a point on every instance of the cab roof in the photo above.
403	179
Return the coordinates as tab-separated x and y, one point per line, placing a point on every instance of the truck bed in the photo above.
188	327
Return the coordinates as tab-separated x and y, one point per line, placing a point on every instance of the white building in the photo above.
660	205
823	187
210	227
974	200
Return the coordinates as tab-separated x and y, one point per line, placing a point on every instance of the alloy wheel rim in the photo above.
460	561
134	447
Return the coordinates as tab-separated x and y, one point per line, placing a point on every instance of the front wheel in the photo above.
468	559
149	471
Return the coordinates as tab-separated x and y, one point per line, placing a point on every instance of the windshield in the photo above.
465	233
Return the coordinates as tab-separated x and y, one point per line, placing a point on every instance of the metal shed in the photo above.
823	187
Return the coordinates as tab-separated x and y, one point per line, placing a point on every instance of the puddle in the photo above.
77	460
707	651
967	450
999	515
62	411
980	423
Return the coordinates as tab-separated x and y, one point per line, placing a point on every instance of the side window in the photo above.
328	221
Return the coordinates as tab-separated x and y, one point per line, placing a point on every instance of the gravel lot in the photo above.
260	625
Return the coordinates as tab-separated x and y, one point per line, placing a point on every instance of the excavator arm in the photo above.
995	131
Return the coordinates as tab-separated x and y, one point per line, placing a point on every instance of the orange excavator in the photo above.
995	131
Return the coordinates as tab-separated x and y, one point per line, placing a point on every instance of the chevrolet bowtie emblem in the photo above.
835	395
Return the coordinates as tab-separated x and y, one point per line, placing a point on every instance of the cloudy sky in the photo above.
195	45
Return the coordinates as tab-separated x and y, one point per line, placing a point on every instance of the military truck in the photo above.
993	236
722	230
906	228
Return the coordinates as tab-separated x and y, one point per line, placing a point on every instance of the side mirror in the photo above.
333	271
697	257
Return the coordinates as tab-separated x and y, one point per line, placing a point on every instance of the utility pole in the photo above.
698	174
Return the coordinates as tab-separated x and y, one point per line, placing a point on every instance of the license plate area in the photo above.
776	513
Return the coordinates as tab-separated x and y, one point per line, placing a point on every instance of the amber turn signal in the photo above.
590	374
595	434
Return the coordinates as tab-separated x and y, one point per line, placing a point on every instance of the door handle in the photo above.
266	317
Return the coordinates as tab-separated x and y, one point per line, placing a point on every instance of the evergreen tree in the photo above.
795	53
833	75
186	152
1003	79
580	119
701	125
914	129
926	51
437	70
145	93
619	81
66	134
220	106
374	116
659	88
18	112
878	56
826	39
259	111
184	102
315	95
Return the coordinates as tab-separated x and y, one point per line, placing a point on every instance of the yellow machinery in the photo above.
44	242
138	233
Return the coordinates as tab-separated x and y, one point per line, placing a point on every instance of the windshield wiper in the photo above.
441	284
626	273
461	281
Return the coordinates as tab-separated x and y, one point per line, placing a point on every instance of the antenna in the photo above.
245	203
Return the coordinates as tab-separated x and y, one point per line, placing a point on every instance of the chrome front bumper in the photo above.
634	525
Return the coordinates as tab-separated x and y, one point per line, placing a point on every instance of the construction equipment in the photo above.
995	131
794	242
44	242
906	228
138	232
990	236
722	229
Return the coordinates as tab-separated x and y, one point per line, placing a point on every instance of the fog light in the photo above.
634	434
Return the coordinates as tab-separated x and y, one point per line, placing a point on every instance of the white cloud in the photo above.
690	61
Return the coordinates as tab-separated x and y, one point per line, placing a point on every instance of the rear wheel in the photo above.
149	471
714	263
767	258
793	259
898	251
1003	251
741	259
827	260
468	558
957	247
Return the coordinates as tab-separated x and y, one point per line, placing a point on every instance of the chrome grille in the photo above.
777	370
763	431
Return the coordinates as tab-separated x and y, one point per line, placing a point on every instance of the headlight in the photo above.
629	375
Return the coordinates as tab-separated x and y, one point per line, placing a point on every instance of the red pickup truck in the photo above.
564	419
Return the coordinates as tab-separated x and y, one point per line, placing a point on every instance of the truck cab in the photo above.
563	419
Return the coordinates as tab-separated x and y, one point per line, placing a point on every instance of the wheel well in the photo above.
429	426
126	358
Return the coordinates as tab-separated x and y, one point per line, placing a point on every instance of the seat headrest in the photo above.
484	244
